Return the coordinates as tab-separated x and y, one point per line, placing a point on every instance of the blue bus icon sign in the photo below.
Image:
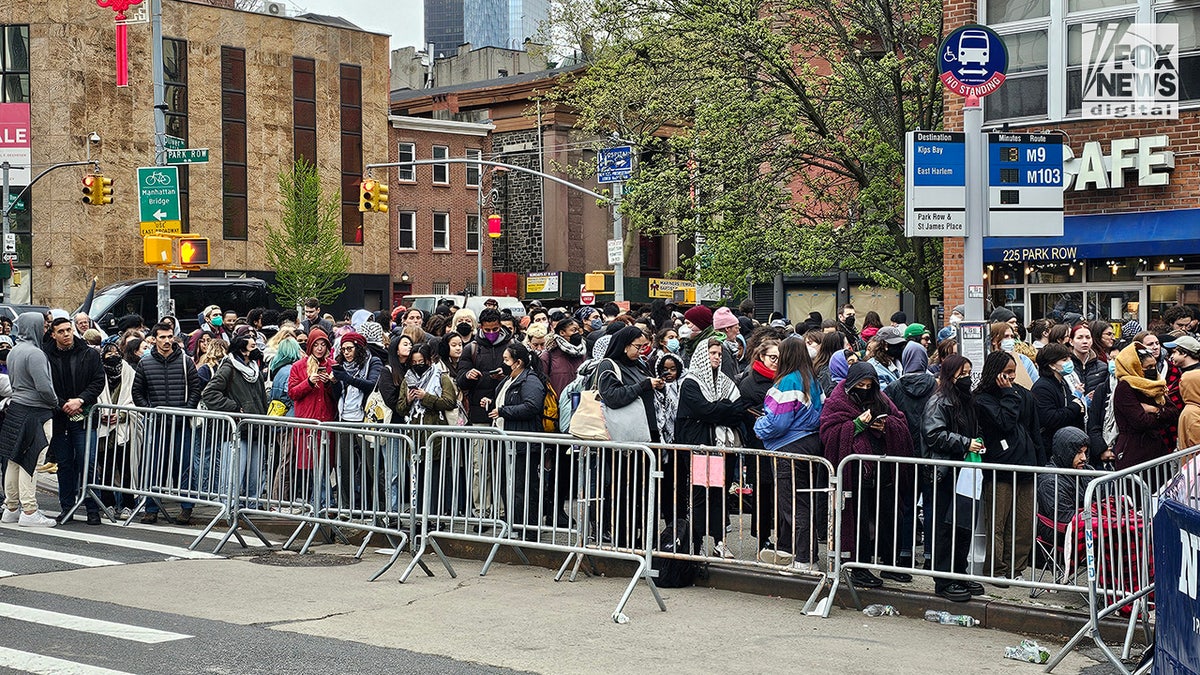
972	61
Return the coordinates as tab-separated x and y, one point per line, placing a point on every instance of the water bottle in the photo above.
1029	651
947	619
881	610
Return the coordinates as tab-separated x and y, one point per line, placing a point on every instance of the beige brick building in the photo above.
256	90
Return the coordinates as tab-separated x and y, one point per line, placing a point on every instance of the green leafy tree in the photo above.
774	130
306	249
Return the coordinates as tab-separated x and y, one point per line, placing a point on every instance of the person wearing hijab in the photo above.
1141	408
949	430
1009	424
710	412
857	419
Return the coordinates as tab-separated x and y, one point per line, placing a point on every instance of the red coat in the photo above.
312	401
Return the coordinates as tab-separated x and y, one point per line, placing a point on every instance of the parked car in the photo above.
11	311
191	296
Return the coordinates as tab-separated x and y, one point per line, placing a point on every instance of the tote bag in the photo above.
628	424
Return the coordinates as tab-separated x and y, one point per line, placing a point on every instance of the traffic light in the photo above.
193	251
381	198
156	250
366	195
104	189
494	226
91	190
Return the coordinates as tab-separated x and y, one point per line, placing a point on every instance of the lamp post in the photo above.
493	194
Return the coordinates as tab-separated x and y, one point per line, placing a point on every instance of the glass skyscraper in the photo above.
483	23
444	26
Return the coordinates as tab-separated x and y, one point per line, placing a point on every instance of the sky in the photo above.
402	19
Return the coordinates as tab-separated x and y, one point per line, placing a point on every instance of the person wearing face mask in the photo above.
666	341
884	352
593	328
212	323
846	324
949	430
858	419
1089	370
1058	406
956	316
238	386
1101	423
516	409
696	329
1004	339
726	324
1141	409
6	344
463	323
910	394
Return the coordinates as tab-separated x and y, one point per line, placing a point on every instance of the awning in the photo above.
1105	235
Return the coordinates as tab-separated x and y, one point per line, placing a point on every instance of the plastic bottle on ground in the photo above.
946	618
881	610
1029	651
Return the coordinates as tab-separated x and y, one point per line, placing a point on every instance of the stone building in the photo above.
258	91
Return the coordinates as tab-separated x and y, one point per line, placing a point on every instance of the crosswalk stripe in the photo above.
251	540
165	549
48	665
72	558
122	631
6	573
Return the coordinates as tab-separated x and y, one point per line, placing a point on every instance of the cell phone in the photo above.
883	416
498	371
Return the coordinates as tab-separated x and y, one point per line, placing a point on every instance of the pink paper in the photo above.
708	470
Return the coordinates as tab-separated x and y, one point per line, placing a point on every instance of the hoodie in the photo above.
912	391
28	367
1189	418
1060	495
313	400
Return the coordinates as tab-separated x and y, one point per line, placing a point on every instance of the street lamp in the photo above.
493	195
404	277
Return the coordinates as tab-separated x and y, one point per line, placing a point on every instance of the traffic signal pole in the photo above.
160	131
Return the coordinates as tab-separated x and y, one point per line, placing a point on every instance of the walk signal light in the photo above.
193	251
156	250
91	190
104	188
494	226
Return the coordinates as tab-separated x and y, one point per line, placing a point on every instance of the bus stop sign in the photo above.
972	61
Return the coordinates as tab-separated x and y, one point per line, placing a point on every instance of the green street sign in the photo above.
188	156
158	193
15	205
172	142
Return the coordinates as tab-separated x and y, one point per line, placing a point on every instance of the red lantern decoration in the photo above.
122	47
494	226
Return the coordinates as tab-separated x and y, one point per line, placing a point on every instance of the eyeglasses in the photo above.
639	345
770	357
348	348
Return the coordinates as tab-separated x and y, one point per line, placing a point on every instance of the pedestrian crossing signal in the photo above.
193	251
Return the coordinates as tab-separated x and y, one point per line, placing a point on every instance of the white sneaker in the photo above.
35	519
802	568
10	516
126	513
722	551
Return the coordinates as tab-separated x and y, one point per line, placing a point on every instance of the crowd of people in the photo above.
1068	393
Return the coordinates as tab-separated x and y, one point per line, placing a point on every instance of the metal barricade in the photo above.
541	491
159	455
706	491
1119	544
979	522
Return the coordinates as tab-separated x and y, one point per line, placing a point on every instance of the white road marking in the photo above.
32	552
164	549
122	631
48	665
251	540
6	573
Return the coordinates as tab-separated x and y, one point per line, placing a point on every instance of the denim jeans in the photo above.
68	444
167	460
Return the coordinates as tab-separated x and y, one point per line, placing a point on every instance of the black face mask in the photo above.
463	329
506	369
576	339
849	321
420	368
4	354
255	355
895	351
862	397
963	385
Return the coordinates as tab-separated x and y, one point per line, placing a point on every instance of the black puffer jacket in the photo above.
484	356
1092	373
77	372
1057	407
169	381
522	404
1009	424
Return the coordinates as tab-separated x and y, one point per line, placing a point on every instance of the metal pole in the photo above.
479	228
976	205
619	235
160	130
5	167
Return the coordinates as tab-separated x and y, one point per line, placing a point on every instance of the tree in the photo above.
306	249
774	130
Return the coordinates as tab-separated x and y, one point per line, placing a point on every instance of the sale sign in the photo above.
14	141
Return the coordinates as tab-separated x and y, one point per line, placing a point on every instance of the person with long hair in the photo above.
857	419
1004	339
237	387
754	469
1057	405
666	341
950	430
1008	423
517	409
1103	337
1142	409
831	357
1089	369
789	423
944	349
356	370
287	352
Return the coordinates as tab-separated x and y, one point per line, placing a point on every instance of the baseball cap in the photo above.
914	330
1187	343
890	335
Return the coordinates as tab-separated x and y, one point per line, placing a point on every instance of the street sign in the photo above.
616	251
173	142
935	184
158	193
10	257
1025	185
972	61
614	165
162	227
10	242
586	297
188	156
665	288
15	205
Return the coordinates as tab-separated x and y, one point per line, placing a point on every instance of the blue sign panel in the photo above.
972	61
939	158
1177	588
1020	160
614	165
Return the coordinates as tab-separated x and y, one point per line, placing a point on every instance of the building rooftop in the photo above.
401	95
330	21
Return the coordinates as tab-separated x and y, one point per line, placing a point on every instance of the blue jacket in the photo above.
792	412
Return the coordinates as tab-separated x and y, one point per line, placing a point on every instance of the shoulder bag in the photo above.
629	423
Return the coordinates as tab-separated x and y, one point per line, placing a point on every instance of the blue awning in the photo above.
1115	235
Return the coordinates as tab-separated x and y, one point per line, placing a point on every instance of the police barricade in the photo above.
788	498
542	491
992	523
1119	545
158	455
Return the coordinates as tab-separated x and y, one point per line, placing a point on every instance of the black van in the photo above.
191	296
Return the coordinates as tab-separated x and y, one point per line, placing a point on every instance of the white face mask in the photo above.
685	332
955	319
812	351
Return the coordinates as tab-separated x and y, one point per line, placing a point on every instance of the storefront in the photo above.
1105	266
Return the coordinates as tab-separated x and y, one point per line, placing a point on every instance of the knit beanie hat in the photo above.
700	316
723	318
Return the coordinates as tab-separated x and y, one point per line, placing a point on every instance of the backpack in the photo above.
672	572
550	409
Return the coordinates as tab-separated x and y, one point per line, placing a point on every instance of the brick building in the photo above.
258	91
1129	247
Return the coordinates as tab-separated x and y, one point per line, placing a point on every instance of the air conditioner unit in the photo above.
275	8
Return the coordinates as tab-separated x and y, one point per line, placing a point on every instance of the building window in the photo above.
473	170
304	109
441	172
14	64
441	231
350	80
175	76
406	231
1045	81
233	143
406	152
441	288
472	232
